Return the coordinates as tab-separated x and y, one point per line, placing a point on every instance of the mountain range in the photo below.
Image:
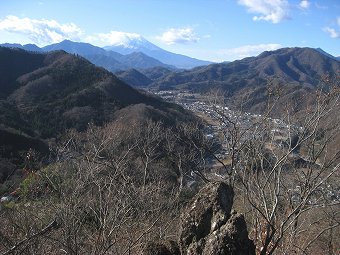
51	91
292	69
138	53
289	66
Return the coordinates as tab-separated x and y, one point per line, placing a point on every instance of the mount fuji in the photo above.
137	43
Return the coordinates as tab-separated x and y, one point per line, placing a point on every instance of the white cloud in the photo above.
41	31
304	4
268	10
115	38
333	32
247	51
179	36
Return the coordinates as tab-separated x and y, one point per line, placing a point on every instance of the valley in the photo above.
78	140
219	117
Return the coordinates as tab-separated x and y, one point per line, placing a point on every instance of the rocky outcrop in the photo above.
209	226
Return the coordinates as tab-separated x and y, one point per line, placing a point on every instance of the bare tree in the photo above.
285	171
107	192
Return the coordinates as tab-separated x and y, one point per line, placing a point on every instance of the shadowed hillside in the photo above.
45	94
134	78
56	91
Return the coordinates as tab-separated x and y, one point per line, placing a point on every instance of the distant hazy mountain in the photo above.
29	47
80	48
124	62
110	60
140	44
141	61
134	53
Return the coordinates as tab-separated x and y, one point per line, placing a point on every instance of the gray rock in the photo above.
208	226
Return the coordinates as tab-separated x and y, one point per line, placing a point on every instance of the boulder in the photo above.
209	226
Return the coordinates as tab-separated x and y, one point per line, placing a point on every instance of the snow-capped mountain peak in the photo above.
130	41
126	43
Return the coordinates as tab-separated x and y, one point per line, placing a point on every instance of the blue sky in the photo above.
215	30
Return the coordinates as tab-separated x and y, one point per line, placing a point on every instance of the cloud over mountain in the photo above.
179	36
116	38
41	31
268	10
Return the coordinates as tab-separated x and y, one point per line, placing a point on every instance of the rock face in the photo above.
209	226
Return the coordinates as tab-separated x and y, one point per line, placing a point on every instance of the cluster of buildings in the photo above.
219	116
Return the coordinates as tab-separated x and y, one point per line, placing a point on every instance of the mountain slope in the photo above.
14	63
134	78
142	77
55	91
327	54
288	65
155	72
140	44
142	61
293	70
43	95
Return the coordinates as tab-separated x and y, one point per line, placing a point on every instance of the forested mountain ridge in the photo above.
134	78
295	71
45	94
57	90
300	66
